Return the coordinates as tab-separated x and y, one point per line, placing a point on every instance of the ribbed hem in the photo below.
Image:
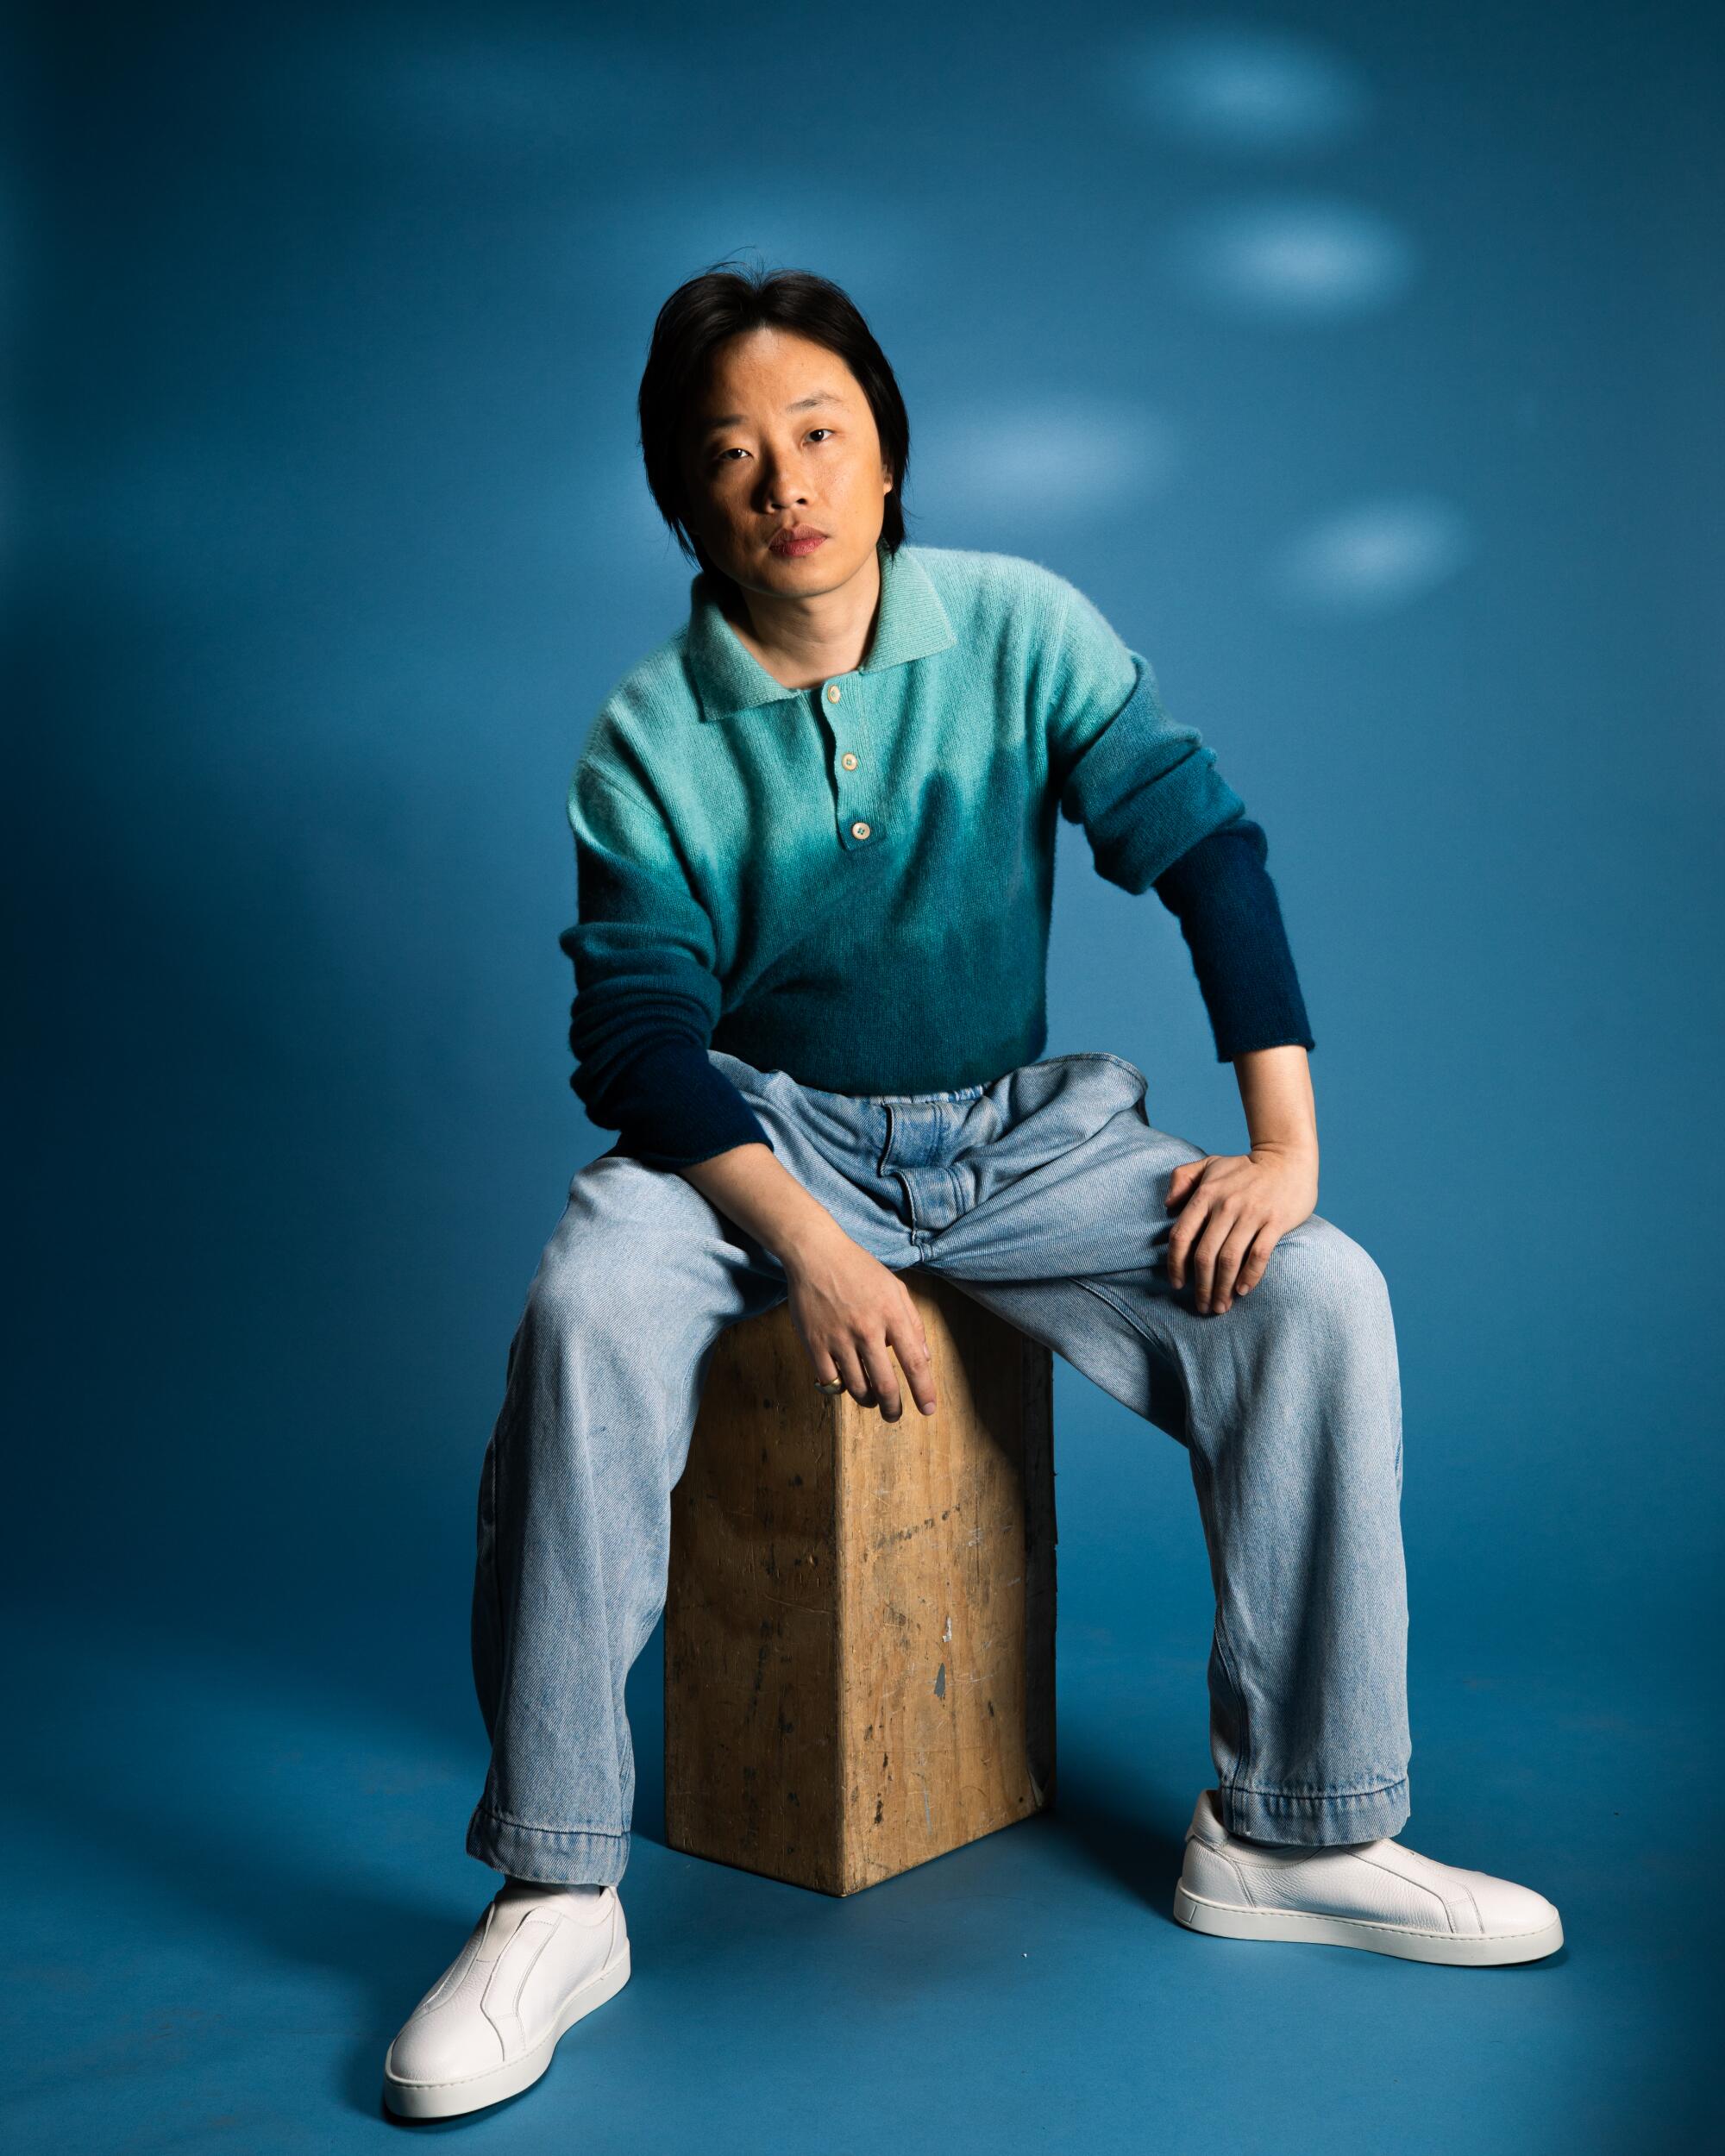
554	1856
1316	1822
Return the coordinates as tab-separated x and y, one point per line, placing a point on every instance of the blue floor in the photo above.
241	1865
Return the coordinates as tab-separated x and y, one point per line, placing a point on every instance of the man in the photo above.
815	835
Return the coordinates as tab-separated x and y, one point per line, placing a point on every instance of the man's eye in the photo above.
724	453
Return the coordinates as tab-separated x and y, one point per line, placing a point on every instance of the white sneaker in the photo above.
534	1963
1371	1894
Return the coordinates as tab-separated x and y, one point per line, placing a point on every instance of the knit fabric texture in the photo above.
853	881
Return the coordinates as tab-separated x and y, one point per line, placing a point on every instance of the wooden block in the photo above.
859	1616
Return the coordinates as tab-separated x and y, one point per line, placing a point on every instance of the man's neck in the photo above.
803	642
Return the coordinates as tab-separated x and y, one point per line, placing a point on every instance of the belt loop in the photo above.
887	1143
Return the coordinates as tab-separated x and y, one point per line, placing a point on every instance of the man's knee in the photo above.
579	1290
617	1232
1320	1274
1333	1303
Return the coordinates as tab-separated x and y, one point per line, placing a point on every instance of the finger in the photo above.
1229	1260
883	1379
823	1356
1179	1191
851	1370
1205	1255
1257	1260
1180	1245
1183	1242
1190	1223
910	1343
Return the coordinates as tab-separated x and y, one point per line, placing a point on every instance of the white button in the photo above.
859	830
848	761
832	693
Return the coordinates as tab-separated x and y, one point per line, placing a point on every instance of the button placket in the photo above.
857	826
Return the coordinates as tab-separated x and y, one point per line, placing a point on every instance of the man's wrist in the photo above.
1296	1153
1291	1145
752	1186
806	1237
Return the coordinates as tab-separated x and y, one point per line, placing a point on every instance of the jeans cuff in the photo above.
1316	1822
555	1856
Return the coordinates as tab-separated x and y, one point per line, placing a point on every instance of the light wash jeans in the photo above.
1043	1196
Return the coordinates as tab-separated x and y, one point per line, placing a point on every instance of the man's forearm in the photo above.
751	1185
1276	1093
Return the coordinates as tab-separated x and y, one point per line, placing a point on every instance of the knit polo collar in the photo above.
910	623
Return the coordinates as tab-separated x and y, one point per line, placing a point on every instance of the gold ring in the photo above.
837	1386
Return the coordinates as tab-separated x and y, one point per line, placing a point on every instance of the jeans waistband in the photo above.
955	1093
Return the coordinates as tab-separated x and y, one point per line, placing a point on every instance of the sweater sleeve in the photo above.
1231	919
647	990
1146	788
1158	813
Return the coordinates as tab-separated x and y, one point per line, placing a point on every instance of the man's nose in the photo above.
781	482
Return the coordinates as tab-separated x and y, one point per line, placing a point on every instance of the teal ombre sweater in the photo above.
853	881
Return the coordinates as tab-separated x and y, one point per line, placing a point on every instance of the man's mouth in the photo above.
800	539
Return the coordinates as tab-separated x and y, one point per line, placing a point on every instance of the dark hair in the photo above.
723	303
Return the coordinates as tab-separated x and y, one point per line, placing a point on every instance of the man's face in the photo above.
783	437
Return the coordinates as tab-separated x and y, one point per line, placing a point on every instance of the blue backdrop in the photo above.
1362	366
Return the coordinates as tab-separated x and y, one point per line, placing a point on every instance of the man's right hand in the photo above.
853	1314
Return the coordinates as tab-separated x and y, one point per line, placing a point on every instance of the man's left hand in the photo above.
1233	1209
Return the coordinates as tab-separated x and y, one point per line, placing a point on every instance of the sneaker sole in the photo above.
1222	1921
447	2099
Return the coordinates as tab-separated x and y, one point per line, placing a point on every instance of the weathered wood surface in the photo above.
860	1623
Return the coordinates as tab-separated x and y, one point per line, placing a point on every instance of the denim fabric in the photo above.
1043	1196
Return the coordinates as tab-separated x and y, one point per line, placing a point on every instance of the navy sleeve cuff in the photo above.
674	1108
1231	920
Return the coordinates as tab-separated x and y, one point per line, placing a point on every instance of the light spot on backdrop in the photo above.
1236	87
1018	467
1371	558
1302	259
